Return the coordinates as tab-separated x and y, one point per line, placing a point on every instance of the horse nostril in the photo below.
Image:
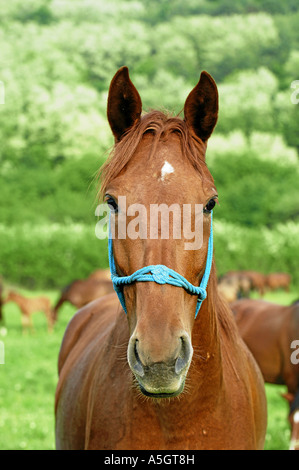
185	355
136	362
180	363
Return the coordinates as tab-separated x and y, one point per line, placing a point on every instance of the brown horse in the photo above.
163	396
28	306
257	280
269	331
100	274
229	289
81	292
276	281
234	286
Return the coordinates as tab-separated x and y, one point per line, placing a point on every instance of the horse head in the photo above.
158	161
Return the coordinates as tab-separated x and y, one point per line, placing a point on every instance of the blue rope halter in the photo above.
161	274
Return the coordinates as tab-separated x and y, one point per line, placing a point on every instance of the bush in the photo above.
263	250
50	255
255	189
53	255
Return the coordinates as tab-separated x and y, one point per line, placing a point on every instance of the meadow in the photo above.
29	376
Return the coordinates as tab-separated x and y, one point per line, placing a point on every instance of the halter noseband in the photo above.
161	274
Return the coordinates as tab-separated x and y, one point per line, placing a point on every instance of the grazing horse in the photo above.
157	366
229	289
276	281
234	286
28	306
256	280
81	292
271	331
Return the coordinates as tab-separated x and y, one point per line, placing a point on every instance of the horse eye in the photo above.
112	204
210	206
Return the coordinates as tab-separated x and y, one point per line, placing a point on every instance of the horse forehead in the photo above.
162	175
166	170
167	167
167	155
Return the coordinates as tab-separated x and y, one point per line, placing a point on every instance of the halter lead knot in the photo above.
160	274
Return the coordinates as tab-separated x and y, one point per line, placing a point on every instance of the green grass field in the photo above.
29	376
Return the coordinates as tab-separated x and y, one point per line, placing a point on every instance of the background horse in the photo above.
276	281
162	396
258	281
28	306
101	274
81	292
234	285
269	330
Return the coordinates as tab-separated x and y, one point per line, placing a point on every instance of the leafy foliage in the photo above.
57	60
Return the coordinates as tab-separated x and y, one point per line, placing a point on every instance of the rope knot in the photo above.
160	274
202	294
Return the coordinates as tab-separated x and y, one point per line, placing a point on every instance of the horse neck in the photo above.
11	297
16	297
207	337
59	303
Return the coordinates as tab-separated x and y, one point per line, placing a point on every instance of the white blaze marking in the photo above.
166	170
296	417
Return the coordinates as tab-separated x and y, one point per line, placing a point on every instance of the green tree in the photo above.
246	101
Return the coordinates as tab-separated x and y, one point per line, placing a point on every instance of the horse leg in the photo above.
30	323
26	321
57	307
50	319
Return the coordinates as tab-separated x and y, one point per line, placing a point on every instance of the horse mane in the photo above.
217	304
160	124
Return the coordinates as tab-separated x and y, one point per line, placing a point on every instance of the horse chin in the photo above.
160	393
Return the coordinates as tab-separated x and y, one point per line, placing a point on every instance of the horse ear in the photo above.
124	103
201	107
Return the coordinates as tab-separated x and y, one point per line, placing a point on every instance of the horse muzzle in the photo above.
165	377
